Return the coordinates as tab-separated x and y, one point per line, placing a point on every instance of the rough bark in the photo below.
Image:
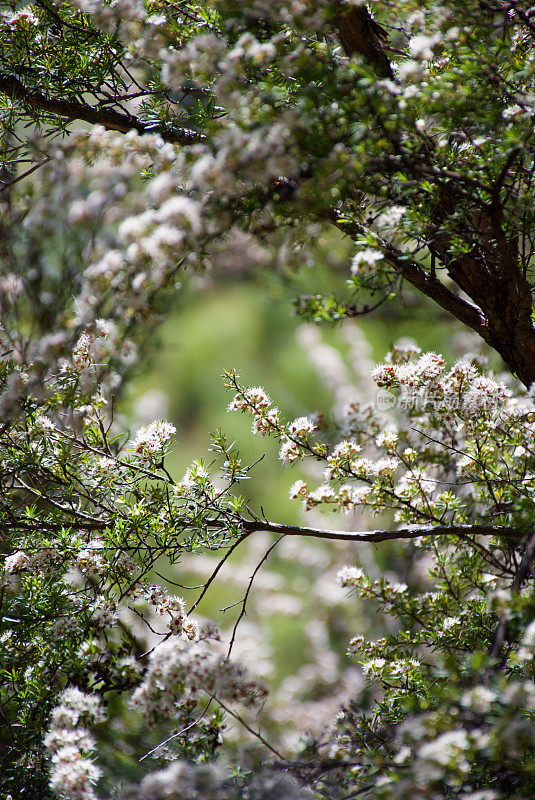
359	33
490	275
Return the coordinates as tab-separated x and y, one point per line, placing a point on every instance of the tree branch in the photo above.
247	727
461	531
428	284
243	610
75	110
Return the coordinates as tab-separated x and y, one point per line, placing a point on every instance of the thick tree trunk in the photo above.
490	275
507	306
359	33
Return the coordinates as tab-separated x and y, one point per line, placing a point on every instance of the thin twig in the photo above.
246	597
247	727
216	570
178	733
9	184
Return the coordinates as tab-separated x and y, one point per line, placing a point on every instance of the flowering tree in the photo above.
411	133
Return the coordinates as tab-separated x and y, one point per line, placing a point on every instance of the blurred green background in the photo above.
250	325
247	322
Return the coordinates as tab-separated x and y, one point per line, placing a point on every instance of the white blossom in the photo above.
153	438
301	426
350	576
289	451
421	46
298	488
16	562
391	217
365	261
447	746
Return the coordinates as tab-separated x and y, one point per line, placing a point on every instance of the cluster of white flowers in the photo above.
350	576
152	440
16	562
417	486
11	286
94	346
72	774
175	609
428	367
422	46
289	451
350	497
109	16
267	423
253	399
370	480
512	111
103	614
365	261
298	489
301	427
180	669
90	559
425	382
391	217
196	481
479	699
388	437
249	48
23	17
408	70
450	622
449	747
341	459
323	494
182	779
157	233
374	667
266	420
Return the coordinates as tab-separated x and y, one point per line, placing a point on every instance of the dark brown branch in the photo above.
461	531
425	282
489	274
75	110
